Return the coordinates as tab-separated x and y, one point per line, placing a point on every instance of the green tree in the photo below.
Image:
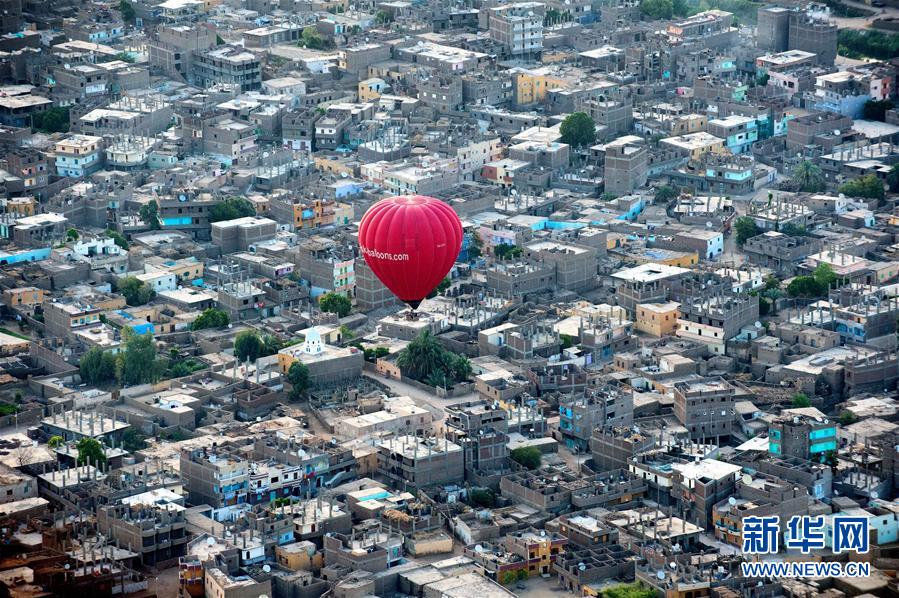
657	9
298	375
504	251
893	178
793	230
312	39
271	345
128	14
137	363
426	360
382	17
482	497
868	43
97	366
211	318
476	248
801	400
847	418
808	178
805	286
745	228
117	238
248	346
666	194
830	459
578	129
335	303
421	357
527	456
824	276
762	80
868	186
90	451
630	590
149	214
72	234
441	286
877	109
132	440
231	208
52	120
55	442
135	291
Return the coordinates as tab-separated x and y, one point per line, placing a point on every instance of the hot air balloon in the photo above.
410	242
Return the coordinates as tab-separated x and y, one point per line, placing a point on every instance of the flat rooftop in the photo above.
649	273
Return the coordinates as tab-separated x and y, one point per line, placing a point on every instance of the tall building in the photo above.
773	33
518	28
173	49
10	16
781	29
227	64
814	32
705	407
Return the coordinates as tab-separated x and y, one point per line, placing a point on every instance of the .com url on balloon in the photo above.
393	257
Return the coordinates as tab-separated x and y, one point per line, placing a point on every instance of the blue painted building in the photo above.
802	433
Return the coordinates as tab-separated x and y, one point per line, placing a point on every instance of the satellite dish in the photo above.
478	548
660	574
747	479
709	225
266	568
210	541
68	566
875	495
673	565
758	324
732	501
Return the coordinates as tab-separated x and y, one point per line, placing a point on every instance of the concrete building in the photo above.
326	363
705	407
78	155
517	28
575	266
625	165
227	64
156	531
803	436
242	233
216	479
420	462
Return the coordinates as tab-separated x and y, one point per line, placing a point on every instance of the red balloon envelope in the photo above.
410	242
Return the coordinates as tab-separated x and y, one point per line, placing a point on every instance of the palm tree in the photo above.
808	177
422	357
893	178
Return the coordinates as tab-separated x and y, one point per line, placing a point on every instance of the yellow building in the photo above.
657	319
337	165
689	123
695	145
321	212
531	85
23	296
299	556
23	206
371	89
